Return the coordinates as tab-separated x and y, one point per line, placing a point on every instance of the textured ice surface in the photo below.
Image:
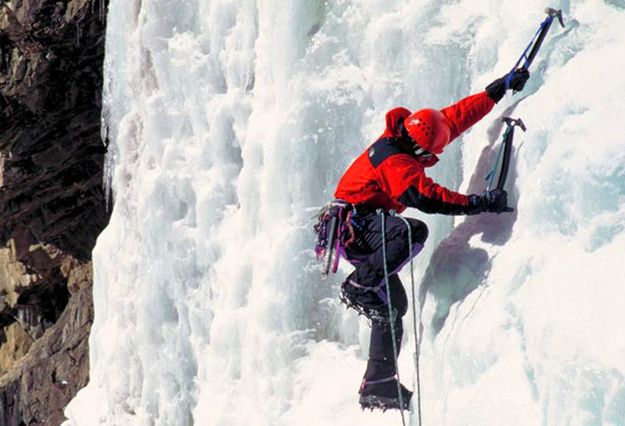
230	120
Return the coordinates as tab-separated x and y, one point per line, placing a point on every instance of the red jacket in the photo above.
389	176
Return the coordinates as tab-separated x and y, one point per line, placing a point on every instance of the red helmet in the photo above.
429	129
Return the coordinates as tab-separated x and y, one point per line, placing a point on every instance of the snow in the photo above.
230	121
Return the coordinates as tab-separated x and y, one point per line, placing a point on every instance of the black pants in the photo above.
367	256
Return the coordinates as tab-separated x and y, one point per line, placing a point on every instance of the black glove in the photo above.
495	201
477	204
516	80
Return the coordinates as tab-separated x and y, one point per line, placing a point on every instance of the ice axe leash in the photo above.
391	317
527	57
504	154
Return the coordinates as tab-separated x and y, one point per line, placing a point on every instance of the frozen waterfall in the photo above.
230	122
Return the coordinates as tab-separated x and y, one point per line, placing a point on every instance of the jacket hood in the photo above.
393	119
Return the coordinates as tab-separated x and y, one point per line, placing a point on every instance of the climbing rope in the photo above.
414	315
391	316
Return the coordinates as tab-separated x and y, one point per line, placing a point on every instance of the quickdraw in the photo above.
504	154
534	46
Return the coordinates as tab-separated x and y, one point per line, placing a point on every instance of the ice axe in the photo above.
534	45
332	238
505	154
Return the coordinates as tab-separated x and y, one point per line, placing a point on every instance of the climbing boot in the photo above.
382	394
366	301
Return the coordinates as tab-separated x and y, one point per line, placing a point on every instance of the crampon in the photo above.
382	395
375	313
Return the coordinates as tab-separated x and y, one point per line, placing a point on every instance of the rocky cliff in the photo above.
52	204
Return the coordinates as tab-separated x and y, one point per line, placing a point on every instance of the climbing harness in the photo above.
534	45
391	315
335	229
502	162
414	314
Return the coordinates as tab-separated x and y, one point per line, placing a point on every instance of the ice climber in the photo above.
390	175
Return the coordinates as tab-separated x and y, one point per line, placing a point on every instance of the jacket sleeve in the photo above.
404	180
466	112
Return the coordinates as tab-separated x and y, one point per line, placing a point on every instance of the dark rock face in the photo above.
52	205
56	366
51	153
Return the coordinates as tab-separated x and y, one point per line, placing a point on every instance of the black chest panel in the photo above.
384	148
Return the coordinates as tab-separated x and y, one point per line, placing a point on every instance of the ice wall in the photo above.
230	121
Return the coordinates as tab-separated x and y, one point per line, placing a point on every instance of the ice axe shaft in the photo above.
330	247
542	33
534	46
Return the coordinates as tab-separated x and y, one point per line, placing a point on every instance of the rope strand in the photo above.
391	315
414	317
